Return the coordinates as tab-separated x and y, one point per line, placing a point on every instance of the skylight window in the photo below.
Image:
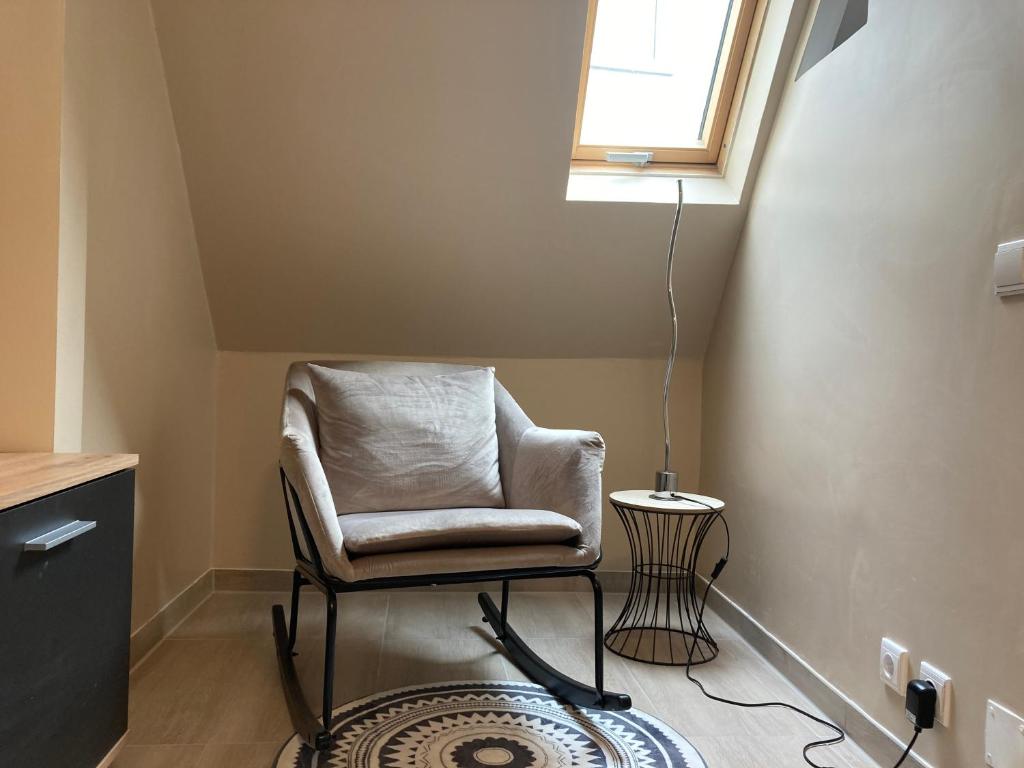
659	79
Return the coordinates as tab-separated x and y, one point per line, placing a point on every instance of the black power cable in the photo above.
840	735
910	746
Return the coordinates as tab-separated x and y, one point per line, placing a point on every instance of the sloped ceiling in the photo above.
388	177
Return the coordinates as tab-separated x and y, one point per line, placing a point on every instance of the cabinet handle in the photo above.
58	536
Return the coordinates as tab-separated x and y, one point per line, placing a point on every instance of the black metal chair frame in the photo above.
310	571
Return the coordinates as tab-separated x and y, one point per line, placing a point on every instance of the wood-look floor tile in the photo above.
210	695
238	614
252	755
197	690
439	615
769	752
173	690
413	661
355	665
551	615
254	708
679	702
451	614
159	756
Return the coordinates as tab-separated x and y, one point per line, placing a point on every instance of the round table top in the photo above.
642	500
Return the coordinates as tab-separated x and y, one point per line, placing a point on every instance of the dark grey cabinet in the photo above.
65	623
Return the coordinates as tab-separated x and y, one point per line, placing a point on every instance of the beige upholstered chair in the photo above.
551	483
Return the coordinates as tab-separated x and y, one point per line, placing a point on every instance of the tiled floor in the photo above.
209	695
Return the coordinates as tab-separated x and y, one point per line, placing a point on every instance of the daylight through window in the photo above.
659	79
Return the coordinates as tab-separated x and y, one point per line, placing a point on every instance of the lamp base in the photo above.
665	484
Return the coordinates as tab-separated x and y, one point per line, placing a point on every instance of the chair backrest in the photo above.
299	408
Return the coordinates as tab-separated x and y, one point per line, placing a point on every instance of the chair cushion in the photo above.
394	442
378	533
469	560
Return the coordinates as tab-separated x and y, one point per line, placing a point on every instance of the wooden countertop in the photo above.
28	476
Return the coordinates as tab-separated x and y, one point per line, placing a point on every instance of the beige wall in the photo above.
863	413
620	398
149	356
31	48
390	178
71	259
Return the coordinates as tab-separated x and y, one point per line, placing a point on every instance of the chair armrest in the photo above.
560	470
302	467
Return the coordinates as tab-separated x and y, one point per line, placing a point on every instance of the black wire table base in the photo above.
661	620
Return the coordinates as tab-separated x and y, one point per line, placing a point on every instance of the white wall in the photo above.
863	412
149	354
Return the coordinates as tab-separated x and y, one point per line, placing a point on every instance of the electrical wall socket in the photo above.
894	665
943	689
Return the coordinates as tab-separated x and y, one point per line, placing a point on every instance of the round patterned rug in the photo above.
488	724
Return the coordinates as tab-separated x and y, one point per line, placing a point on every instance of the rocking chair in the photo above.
551	485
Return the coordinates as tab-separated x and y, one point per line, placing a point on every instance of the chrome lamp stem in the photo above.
666	481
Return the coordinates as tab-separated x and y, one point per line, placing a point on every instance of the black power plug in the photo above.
921	701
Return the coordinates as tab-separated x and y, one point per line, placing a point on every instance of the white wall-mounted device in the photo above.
1008	275
894	665
1004	737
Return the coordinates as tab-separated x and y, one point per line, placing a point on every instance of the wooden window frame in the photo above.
726	95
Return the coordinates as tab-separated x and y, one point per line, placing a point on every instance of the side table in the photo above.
659	622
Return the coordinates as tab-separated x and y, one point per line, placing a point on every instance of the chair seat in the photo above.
381	533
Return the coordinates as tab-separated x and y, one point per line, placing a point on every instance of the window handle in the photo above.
634	158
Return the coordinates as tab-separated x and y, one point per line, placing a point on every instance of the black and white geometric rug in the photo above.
486	724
